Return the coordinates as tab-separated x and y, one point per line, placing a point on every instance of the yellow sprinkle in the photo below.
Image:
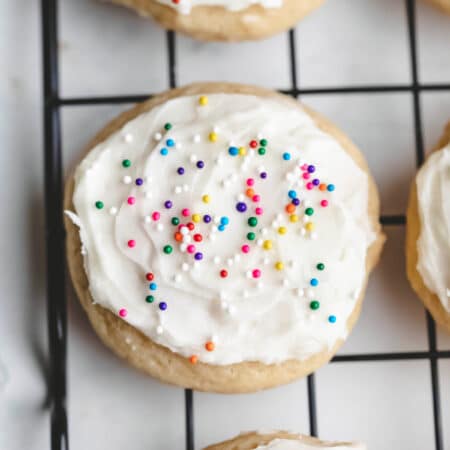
293	218
309	226
282	230
213	137
242	151
196	218
203	100
206	199
279	265
267	245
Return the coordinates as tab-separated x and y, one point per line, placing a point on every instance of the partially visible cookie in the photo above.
443	4
428	232
224	20
281	440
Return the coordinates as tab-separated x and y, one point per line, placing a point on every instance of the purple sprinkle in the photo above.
206	218
200	164
316	182
198	256
168	204
241	207
263	175
311	168
139	181
163	306
180	170
295	201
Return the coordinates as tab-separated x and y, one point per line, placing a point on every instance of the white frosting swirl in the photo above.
289	444
185	6
270	315
433	192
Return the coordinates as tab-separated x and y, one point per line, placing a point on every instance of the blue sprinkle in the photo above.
314	282
330	187
292	194
286	156
221	227
163	306
233	151
332	319
164	151
153	286
224	220
170	142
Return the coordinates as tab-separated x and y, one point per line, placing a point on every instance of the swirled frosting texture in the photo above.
433	189
185	6
283	292
289	444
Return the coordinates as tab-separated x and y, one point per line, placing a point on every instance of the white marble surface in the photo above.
108	51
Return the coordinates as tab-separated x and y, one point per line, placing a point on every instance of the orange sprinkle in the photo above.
210	346
250	192
290	208
178	236
193	359
323	187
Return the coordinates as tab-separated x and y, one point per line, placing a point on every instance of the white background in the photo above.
105	50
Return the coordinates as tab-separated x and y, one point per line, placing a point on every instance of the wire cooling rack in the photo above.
56	295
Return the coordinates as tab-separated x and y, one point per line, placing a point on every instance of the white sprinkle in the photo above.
178	145
128	137
184	230
234	177
279	217
226	183
219	161
260	242
193	158
148	179
177	278
237	257
248	274
310	293
313	236
300	292
264	231
187	239
275	224
266	261
147	219
244	167
289	176
159	329
302	231
260	285
355	295
306	202
232	310
216	129
127	179
83	250
251	152
241	197
230	262
224	305
214	338
185	187
448	292
196	138
222	295
113	210
216	259
183	247
216	219
128	340
214	229
285	282
160	227
178	190
212	237
259	136
185	267
245	294
157	136
196	264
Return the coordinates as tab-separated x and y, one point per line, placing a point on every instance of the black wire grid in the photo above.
56	287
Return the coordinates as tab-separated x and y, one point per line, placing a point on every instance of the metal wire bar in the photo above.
54	231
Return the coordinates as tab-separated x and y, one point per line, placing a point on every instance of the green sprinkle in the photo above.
314	305
168	249
175	221
167	126
309	211
149	299
262	151
320	266
126	163
263	142
99	205
253	221
251	236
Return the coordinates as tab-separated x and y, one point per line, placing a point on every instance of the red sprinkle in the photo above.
253	144
223	273
123	312
256	273
191	226
324	203
149	276
198	237
131	243
156	215
131	200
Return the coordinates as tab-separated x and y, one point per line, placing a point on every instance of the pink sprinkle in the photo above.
306	176
250	181
256	198
131	243
123	312
309	186
156	215
191	248
186	212
259	211
324	203
304	167
245	248
131	200
256	273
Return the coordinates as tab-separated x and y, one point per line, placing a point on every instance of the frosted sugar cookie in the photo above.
224	20
428	233
226	237
281	440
